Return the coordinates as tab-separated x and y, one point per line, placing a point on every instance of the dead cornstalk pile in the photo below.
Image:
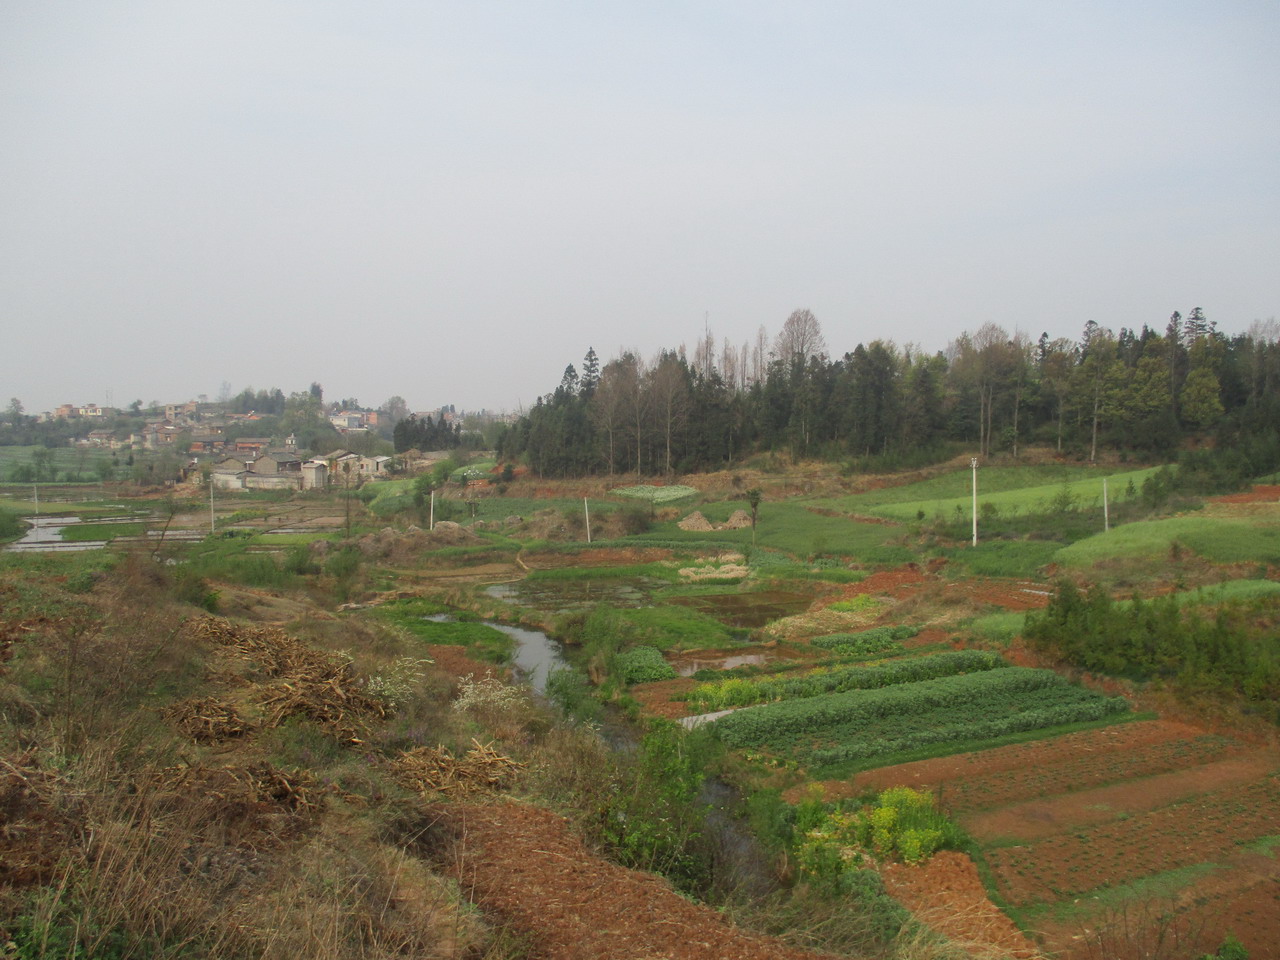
437	770
309	683
207	720
257	786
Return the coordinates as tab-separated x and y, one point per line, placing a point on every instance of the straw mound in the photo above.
739	521
695	521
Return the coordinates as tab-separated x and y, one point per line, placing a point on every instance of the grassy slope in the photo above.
1219	540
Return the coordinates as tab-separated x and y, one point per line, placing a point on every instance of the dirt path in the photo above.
946	893
524	865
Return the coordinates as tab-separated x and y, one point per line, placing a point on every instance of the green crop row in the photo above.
973	723
875	640
740	692
778	724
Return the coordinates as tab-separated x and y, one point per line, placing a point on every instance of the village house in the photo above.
210	443
375	466
276	464
250	444
315	475
347	420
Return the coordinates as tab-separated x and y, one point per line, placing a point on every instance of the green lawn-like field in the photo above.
81	460
991	480
102	531
1219	540
1069	492
795	529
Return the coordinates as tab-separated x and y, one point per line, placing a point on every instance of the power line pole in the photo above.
973	463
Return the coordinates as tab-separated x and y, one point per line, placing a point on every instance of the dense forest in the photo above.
1140	392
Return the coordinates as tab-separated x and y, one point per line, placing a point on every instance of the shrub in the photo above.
643	665
190	587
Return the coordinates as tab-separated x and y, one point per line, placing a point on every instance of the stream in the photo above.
740	862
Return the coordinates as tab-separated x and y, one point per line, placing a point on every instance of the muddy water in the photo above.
748	609
45	536
687	668
558	595
536	654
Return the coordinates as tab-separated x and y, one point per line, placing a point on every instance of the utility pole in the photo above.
211	503
1106	508
35	492
587	512
973	464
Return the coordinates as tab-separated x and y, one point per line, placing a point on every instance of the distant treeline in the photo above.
887	406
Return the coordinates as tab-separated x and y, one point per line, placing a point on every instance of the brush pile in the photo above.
207	720
304	682
435	770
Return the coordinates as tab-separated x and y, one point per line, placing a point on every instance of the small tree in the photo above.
753	498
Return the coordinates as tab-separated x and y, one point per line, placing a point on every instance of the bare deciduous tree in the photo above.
801	338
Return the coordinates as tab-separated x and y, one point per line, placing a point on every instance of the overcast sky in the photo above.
452	201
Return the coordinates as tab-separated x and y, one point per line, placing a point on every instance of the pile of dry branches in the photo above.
207	720
437	770
308	683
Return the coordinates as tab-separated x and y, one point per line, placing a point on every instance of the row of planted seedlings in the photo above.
894	705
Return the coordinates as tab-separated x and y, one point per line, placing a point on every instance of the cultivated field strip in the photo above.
1203	829
859	724
989	779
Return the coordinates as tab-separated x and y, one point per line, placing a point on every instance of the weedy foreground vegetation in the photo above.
269	743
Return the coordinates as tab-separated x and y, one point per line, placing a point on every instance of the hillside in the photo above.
282	740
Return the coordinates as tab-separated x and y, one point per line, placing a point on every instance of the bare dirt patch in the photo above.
1008	594
897	583
1046	816
1203	829
1262	493
525	865
946	893
655	698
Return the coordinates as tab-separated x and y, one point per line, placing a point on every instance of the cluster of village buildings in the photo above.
282	469
204	424
239	462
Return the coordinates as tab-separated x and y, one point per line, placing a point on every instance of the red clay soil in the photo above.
655	698
453	661
991	778
525	867
906	581
1260	494
1204	829
1048	815
946	893
899	583
1009	594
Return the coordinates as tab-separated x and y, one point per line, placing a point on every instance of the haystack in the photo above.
695	521
739	521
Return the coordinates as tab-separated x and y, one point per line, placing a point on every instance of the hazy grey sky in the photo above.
451	202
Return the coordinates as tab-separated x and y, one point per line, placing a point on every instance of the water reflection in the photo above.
554	596
536	654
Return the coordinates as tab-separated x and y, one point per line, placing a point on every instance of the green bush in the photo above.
10	525
643	665
875	640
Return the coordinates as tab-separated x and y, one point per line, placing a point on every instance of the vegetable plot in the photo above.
737	692
862	724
